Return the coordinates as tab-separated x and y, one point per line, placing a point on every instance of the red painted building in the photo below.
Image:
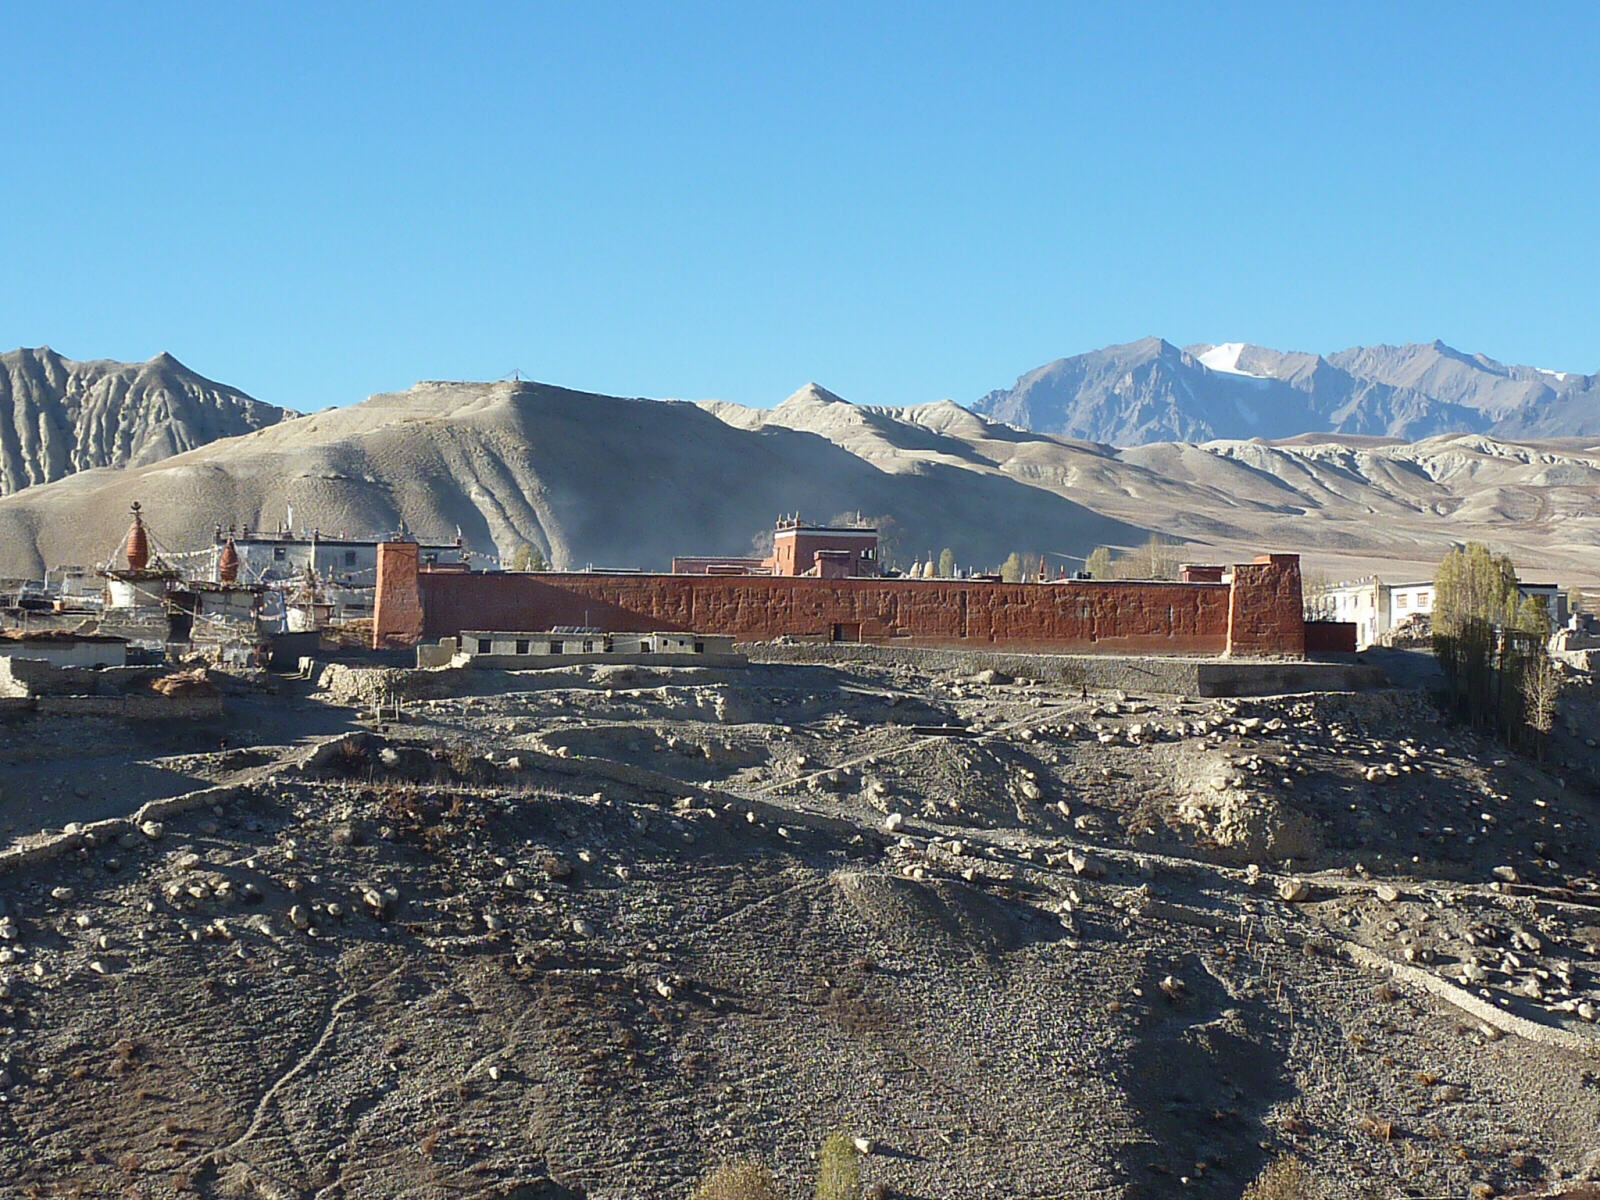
852	550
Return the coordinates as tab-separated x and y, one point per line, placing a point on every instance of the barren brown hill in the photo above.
592	478
58	416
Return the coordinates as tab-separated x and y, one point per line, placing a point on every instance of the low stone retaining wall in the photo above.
146	707
1130	673
55	845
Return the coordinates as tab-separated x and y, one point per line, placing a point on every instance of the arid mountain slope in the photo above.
58	416
618	482
1350	504
586	478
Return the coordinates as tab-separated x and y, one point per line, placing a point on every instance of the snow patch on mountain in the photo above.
1225	358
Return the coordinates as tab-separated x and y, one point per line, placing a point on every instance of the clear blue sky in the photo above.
902	202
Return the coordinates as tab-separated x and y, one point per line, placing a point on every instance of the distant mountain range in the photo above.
58	417
1151	391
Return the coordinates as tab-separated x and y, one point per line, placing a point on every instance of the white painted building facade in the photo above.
353	562
1376	608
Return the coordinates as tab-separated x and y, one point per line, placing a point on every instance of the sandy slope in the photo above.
614	481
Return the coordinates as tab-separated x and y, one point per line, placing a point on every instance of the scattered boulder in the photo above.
1294	890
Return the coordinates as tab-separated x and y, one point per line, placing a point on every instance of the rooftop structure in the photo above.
145	580
851	550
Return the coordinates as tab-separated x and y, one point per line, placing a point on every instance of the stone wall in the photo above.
36	677
1258	614
1137	674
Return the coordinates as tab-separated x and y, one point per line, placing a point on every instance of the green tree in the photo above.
1474	584
947	563
528	557
1533	617
1487	638
1011	570
1098	564
838	1169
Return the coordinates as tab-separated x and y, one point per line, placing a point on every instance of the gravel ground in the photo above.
581	934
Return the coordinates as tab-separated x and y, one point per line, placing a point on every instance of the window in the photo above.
557	647
483	645
279	553
349	558
699	647
1400	600
588	647
1424	599
522	646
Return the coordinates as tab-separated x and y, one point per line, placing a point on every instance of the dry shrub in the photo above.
241	1181
184	683
1379	1129
1285	1178
738	1181
433	820
838	1168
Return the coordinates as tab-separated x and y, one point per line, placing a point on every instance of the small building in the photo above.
795	546
145	581
570	646
1377	608
283	556
64	649
709	564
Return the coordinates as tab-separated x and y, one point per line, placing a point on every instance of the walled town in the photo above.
367	867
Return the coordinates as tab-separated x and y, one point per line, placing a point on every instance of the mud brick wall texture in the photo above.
1118	617
1330	637
402	603
1265	612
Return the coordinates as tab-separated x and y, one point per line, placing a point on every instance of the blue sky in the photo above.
901	202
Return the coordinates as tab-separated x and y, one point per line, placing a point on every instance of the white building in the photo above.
1375	607
573	646
61	649
280	557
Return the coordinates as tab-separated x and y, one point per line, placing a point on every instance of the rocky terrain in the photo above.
1151	391
618	482
58	417
591	931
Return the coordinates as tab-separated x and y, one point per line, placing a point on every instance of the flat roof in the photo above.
846	530
56	635
272	539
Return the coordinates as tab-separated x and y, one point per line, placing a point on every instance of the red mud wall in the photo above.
1330	637
1187	618
402	623
1259	614
1265	611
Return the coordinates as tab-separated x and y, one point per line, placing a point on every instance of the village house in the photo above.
1377	608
